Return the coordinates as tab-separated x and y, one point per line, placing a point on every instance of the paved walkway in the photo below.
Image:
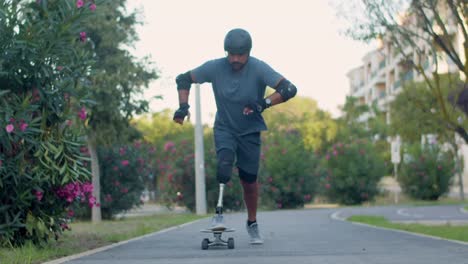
291	236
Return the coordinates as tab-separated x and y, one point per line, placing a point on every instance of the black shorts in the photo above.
246	148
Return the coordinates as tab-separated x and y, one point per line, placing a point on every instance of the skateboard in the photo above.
218	241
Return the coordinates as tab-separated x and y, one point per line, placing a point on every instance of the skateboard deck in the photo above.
210	230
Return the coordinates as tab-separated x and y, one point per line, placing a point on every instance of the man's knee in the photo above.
247	177
225	162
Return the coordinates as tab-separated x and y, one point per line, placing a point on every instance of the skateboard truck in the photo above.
218	230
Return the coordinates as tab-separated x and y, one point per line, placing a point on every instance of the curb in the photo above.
336	216
104	248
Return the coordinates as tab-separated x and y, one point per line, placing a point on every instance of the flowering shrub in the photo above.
176	181
40	132
426	172
353	172
124	170
289	173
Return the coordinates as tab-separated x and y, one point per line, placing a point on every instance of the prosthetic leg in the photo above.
218	227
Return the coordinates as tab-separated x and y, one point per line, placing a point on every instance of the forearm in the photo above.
275	98
183	96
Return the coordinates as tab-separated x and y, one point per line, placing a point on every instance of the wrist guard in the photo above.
182	112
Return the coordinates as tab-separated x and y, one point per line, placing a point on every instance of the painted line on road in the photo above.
403	212
336	216
97	250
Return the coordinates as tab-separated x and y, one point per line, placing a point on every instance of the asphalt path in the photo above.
453	214
296	236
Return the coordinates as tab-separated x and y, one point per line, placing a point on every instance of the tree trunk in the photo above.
96	210
459	160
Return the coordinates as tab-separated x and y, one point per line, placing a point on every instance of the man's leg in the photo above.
250	194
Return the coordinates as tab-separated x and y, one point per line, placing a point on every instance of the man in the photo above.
239	82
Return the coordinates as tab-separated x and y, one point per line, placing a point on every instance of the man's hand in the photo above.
255	106
181	113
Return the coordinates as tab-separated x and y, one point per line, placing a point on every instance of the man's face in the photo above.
237	61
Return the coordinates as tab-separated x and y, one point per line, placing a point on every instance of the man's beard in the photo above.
237	66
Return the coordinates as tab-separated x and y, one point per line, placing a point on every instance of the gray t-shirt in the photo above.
234	90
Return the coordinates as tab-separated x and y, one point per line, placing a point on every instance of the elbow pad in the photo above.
184	81
286	89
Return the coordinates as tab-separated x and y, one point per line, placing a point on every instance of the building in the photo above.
384	70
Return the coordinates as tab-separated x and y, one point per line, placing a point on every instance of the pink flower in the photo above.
9	128
59	68
169	145
64	226
23	126
79	3
327	186
108	198
125	162
137	144
92	7
71	213
91	201
82	113
83	36
124	190
122	151
69	122
39	195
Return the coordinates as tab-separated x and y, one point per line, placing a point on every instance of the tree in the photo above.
361	121
303	115
118	80
413	115
424	33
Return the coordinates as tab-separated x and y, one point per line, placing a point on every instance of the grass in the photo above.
455	232
85	236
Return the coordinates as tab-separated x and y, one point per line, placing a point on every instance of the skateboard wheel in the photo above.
231	243
204	244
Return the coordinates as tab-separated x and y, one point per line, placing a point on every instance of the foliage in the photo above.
414	113
317	128
354	170
290	173
119	79
426	171
361	121
124	170
42	118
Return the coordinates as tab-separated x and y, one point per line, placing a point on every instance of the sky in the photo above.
300	39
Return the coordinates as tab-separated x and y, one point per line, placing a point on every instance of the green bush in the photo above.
41	118
176	178
123	173
426	172
289	173
353	172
